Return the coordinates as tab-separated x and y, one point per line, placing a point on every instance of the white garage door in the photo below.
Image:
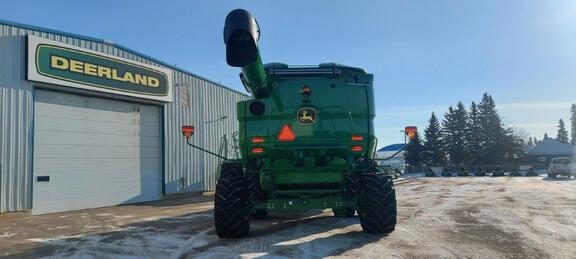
93	152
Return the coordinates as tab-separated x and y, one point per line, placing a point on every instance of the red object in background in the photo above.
410	131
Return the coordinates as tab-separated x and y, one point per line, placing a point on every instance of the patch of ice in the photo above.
152	218
50	239
193	216
124	216
7	235
58	238
62	227
309	238
253	255
59	227
198	240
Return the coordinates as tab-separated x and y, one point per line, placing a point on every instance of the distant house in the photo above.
386	152
540	155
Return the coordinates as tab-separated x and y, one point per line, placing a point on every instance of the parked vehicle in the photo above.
561	166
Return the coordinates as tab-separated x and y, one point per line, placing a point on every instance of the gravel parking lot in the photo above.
464	217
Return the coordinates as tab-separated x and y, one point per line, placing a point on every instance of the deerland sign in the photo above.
56	63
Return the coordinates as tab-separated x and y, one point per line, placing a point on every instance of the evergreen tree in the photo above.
545	137
562	135
433	147
498	142
490	124
530	142
573	124
536	141
511	144
454	133
473	134
414	151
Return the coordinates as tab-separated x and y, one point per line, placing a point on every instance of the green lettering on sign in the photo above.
90	69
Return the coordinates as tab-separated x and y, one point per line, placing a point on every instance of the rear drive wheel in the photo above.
377	203
230	169
231	204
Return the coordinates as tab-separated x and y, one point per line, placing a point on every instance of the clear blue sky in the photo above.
425	55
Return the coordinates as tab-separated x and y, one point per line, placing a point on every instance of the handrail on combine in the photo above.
207	151
188	131
390	157
236	144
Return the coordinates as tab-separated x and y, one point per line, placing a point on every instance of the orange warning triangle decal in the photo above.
286	133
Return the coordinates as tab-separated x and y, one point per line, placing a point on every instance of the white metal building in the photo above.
392	155
87	123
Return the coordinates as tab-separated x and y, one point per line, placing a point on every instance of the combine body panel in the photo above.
338	107
306	140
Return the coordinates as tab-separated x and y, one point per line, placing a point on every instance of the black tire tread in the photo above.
377	203
231	210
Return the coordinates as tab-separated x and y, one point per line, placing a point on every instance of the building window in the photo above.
541	159
184	95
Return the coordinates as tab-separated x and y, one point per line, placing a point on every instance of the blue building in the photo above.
386	152
541	154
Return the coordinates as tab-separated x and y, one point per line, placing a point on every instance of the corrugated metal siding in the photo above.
15	125
209	101
188	169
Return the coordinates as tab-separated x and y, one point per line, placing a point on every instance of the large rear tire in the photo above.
377	203
231	203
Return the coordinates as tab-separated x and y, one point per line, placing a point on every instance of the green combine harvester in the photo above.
306	141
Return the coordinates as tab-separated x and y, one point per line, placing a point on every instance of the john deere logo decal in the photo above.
306	116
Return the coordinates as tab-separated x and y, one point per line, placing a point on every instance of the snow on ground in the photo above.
5	235
455	217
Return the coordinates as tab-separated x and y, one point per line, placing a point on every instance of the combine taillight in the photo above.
257	150
258	140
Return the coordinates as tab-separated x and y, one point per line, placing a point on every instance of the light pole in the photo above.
409	133
405	144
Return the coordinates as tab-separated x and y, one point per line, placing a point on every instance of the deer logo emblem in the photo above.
306	116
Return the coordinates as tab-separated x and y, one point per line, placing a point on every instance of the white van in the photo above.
561	166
